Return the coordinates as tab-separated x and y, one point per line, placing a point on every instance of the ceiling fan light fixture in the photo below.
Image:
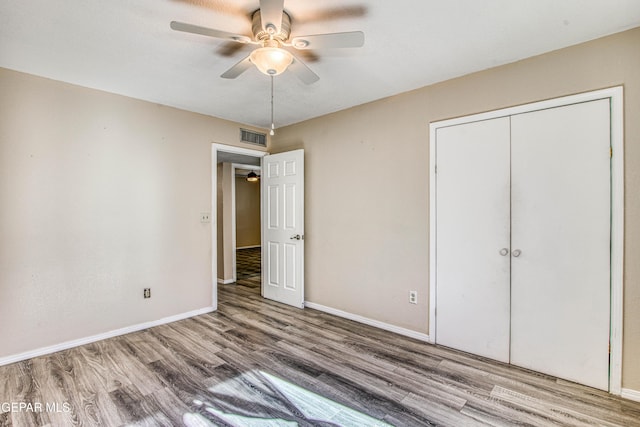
271	60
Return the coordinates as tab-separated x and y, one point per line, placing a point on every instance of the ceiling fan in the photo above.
271	27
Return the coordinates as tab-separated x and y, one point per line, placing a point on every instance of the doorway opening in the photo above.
247	227
226	160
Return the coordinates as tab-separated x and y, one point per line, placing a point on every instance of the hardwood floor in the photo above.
248	267
259	363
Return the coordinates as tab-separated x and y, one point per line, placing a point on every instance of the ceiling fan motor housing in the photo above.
260	34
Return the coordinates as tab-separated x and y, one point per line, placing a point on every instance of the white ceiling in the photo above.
126	47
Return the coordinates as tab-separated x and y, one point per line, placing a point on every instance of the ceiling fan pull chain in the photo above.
273	126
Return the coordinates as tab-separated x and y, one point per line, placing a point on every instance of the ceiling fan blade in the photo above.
237	69
303	72
271	14
331	40
210	32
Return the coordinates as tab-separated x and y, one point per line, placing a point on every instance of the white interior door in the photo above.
283	227
472	237
561	226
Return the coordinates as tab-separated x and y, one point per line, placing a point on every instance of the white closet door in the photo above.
472	227
561	224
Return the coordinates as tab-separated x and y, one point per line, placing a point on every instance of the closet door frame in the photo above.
615	95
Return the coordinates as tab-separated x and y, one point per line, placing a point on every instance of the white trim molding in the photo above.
365	320
630	394
87	340
616	96
226	282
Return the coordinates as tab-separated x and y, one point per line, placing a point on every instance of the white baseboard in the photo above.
630	394
375	323
87	340
225	282
248	247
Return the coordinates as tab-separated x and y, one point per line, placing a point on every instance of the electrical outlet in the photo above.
147	292
205	217
413	297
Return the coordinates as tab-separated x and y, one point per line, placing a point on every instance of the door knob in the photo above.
504	251
516	253
296	237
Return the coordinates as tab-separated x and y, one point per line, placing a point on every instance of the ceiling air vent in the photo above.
253	137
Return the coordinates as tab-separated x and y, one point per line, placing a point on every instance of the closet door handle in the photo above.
516	253
504	251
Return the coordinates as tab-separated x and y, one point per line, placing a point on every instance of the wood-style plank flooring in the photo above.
260	363
248	266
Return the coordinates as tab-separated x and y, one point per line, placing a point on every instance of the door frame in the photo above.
615	94
215	147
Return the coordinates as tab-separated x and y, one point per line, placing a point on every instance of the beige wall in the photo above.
247	213
367	181
100	197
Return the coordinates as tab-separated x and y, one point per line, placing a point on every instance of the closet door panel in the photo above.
472	226
561	224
